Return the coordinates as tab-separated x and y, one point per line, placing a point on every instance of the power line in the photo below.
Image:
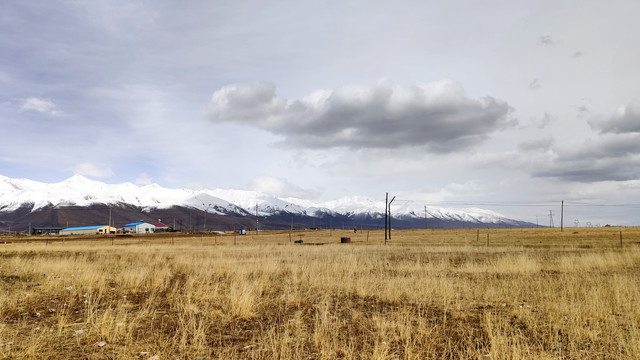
524	204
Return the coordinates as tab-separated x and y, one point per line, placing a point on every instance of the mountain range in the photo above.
79	201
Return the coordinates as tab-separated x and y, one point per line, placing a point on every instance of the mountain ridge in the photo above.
30	197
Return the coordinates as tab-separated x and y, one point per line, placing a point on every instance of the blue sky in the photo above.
458	102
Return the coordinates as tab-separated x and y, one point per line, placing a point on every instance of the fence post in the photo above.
487	239
621	239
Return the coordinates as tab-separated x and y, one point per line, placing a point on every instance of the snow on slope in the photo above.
80	191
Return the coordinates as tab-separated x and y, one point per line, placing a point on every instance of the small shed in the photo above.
89	230
46	230
160	226
139	227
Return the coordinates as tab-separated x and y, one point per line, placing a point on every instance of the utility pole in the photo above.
562	216
550	218
390	216
256	218
425	217
386	217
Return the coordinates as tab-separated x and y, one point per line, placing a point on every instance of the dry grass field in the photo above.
426	294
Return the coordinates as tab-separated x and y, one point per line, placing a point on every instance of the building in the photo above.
160	226
46	230
89	230
139	227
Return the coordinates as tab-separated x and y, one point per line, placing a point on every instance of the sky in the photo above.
512	106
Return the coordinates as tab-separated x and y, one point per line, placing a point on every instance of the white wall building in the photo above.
139	227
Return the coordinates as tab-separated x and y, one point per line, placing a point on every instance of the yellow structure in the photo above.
89	230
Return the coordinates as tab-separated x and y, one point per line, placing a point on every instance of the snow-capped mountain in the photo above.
80	191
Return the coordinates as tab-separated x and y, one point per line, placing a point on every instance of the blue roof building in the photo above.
139	227
89	230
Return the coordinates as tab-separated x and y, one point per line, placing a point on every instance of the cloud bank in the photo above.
613	156
625	120
438	116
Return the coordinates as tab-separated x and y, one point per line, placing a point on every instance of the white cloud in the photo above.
144	179
438	116
89	169
40	105
280	188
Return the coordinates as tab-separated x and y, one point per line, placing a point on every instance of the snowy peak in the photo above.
81	191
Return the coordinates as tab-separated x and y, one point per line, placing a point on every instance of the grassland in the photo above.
528	294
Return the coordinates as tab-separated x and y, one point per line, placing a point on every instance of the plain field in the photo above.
531	293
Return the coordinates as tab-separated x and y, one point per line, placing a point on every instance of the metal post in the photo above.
390	216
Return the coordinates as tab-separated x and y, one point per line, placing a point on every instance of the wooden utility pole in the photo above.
621	239
425	217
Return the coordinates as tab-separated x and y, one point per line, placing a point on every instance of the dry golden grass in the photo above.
532	293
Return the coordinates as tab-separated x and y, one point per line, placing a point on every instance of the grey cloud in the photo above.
438	116
616	170
537	145
544	121
534	85
582	111
547	40
625	120
577	54
608	158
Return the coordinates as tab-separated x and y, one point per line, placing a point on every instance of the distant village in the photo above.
140	227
